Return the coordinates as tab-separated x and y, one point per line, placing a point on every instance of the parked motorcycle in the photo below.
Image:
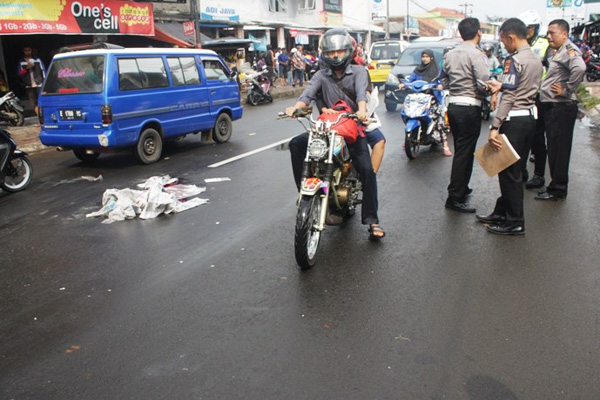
259	88
330	185
421	115
592	68
15	167
11	110
486	108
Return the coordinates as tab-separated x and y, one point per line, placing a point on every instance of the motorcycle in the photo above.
259	88
11	110
421	114
330	186
486	108
15	167
592	68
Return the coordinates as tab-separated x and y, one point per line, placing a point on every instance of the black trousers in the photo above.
361	158
465	124
520	132
560	123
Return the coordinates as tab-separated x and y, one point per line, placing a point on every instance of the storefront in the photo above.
48	25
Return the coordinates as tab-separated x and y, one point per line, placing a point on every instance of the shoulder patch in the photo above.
572	53
507	64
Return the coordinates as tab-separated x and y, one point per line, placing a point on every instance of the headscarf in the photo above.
428	71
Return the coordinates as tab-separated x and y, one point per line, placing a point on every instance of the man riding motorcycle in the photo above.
339	80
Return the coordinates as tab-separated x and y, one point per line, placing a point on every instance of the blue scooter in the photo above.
423	114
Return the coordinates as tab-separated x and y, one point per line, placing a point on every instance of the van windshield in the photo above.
75	75
385	51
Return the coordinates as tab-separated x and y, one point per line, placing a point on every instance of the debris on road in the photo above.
92	179
160	195
213	180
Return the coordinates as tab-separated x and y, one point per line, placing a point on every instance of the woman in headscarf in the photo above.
429	71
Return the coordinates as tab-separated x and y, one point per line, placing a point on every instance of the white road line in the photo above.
230	160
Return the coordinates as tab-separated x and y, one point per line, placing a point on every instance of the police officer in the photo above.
462	67
516	118
540	46
559	104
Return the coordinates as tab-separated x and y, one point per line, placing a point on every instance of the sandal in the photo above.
447	151
376	232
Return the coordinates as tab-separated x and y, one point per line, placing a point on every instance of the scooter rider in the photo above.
341	80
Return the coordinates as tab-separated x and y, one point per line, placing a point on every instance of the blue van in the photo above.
96	101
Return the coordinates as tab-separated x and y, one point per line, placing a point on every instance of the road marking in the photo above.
230	160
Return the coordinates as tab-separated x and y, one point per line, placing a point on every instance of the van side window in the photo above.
215	71
129	75
176	72
153	72
190	70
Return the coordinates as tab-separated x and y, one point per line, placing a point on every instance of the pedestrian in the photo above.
299	67
539	45
341	80
559	104
276	62
270	62
284	65
32	72
515	118
463	66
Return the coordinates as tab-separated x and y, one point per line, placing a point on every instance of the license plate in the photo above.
70	115
384	66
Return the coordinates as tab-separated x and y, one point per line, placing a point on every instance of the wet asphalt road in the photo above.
209	304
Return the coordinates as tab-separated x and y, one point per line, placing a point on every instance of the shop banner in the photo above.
107	17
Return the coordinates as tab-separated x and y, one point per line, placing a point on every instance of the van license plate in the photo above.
70	115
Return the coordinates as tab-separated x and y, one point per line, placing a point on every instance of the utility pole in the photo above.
465	5
407	23
387	19
194	11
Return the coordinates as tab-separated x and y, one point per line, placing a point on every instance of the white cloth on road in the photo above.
160	195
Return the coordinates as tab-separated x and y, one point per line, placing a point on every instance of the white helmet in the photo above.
530	18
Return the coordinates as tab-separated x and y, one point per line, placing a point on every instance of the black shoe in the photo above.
458	206
532	158
491	219
545	196
536	182
469	191
506	230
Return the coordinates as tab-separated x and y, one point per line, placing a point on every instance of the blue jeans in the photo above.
298	76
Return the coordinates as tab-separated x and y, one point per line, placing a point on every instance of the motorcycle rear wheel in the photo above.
306	241
253	98
412	146
590	78
17	174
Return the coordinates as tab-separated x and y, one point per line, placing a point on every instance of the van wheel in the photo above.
223	129
149	146
85	157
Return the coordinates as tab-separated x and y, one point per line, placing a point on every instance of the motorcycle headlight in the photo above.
317	148
392	80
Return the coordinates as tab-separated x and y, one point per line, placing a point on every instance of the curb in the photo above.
35	146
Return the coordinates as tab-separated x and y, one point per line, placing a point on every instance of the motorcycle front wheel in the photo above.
306	241
411	144
16	175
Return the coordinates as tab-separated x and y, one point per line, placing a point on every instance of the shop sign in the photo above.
334	6
296	32
188	28
218	11
76	17
559	3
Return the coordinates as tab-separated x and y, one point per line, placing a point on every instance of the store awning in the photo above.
172	32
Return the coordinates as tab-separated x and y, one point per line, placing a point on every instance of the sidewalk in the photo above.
27	136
